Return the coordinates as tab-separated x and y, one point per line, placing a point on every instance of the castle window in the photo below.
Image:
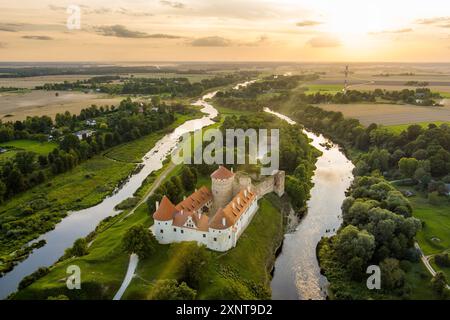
204	235
215	239
182	231
174	229
229	237
162	231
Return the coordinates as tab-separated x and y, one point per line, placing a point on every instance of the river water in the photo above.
79	224
297	273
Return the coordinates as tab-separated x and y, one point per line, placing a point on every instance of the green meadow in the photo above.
397	129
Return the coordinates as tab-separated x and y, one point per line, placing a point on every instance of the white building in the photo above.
216	219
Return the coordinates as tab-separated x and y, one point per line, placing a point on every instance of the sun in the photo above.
355	18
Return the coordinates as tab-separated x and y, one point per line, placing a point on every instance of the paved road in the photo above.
134	259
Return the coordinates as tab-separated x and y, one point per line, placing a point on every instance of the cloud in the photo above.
434	20
173	4
56	8
7	29
404	30
131	13
120	31
37	37
307	23
213	41
324	41
105	10
263	39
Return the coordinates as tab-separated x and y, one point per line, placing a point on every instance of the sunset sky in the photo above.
230	30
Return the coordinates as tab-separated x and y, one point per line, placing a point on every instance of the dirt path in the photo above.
426	262
155	186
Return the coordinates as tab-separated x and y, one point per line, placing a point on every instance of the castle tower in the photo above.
278	185
222	187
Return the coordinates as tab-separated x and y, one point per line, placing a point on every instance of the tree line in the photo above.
126	123
176	87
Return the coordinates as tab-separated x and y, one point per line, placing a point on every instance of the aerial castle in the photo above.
218	217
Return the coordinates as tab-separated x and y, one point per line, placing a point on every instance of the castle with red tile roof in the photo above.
215	218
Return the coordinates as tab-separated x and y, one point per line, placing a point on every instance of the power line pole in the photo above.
346	79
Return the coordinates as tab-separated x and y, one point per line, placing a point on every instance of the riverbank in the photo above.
84	186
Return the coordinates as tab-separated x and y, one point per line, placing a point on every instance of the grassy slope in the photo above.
69	191
134	151
104	266
250	260
82	187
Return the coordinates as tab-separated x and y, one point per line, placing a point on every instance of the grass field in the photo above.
134	151
249	261
43	148
82	187
390	114
322	88
105	266
397	129
435	234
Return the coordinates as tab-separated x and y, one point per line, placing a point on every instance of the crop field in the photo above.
391	114
32	82
17	106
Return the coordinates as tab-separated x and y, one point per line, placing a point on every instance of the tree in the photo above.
354	248
169	289
79	248
438	283
188	178
193	259
139	240
15	181
408	166
25	161
69	142
392	276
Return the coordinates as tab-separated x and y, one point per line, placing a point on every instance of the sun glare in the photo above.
350	21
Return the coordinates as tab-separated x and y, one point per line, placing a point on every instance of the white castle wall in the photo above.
163	231
223	239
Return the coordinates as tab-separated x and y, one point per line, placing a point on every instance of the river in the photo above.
297	273
80	223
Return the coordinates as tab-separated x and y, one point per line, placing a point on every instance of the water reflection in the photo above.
297	273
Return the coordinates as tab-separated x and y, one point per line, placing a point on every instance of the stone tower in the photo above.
278	183
222	187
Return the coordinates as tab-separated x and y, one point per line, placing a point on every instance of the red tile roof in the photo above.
222	173
195	201
165	211
233	211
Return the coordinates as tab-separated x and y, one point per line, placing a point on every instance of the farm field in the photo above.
17	106
32	82
390	114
